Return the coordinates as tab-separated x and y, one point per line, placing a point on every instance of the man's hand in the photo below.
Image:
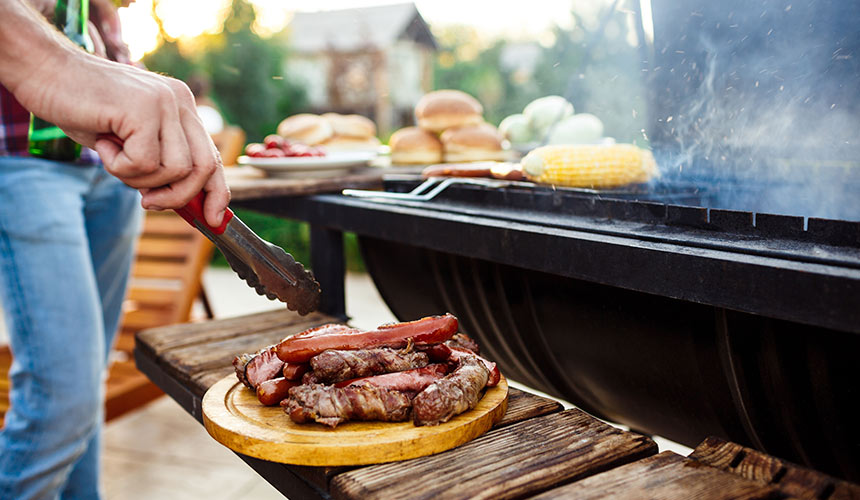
165	151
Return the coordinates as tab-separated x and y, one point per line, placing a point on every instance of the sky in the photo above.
188	18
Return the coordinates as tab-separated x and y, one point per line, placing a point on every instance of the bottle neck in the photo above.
70	17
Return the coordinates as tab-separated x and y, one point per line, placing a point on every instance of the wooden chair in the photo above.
166	281
230	143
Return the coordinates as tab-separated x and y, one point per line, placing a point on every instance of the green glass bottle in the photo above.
46	139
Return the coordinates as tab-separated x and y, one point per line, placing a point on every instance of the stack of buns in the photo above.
332	131
451	128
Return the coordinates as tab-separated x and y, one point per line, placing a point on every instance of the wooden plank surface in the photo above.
200	354
667	476
521	406
508	462
790	479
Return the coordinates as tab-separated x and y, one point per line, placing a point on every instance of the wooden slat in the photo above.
666	476
509	462
152	296
197	353
792	480
525	405
147	318
163	270
166	223
164	248
521	406
158	341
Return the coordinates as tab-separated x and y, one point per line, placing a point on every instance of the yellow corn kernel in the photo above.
590	166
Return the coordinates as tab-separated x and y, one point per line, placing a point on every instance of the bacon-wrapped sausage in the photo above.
336	365
451	395
331	405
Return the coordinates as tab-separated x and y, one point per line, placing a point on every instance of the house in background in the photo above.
375	61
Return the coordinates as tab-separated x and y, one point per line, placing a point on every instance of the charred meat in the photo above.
331	405
463	341
451	395
338	365
252	369
410	382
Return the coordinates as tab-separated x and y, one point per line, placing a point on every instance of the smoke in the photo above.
766	115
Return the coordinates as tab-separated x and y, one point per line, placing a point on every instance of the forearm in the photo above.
28	43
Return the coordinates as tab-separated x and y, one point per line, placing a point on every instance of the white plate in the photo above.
333	163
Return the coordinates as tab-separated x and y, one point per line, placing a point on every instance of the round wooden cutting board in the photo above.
235	418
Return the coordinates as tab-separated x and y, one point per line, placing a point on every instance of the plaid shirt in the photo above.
15	130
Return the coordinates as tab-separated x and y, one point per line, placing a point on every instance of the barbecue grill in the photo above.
723	299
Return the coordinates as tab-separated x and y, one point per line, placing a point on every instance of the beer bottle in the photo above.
46	139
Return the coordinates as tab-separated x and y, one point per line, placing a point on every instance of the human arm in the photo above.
165	151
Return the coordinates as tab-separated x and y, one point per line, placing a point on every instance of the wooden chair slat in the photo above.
162	270
166	223
146	296
164	248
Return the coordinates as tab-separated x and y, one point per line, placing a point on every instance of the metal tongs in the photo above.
266	268
421	193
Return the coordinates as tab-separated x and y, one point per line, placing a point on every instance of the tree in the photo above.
245	71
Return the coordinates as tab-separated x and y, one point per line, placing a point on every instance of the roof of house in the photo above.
359	28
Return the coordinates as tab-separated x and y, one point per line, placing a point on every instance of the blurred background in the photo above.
259	61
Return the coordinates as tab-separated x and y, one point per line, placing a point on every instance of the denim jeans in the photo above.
67	236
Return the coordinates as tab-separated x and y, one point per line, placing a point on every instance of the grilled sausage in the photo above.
273	391
430	330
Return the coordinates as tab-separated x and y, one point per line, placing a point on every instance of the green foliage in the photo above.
244	70
247	77
168	59
462	64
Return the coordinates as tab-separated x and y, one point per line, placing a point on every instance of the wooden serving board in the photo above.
235	418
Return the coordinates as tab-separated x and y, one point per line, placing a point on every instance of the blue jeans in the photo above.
67	236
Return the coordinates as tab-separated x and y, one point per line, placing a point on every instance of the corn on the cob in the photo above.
594	166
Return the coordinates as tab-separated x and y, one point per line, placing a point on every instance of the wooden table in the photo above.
536	449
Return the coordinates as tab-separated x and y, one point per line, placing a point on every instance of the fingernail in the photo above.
155	207
220	217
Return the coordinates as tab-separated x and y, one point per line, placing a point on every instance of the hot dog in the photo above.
430	330
294	371
273	391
